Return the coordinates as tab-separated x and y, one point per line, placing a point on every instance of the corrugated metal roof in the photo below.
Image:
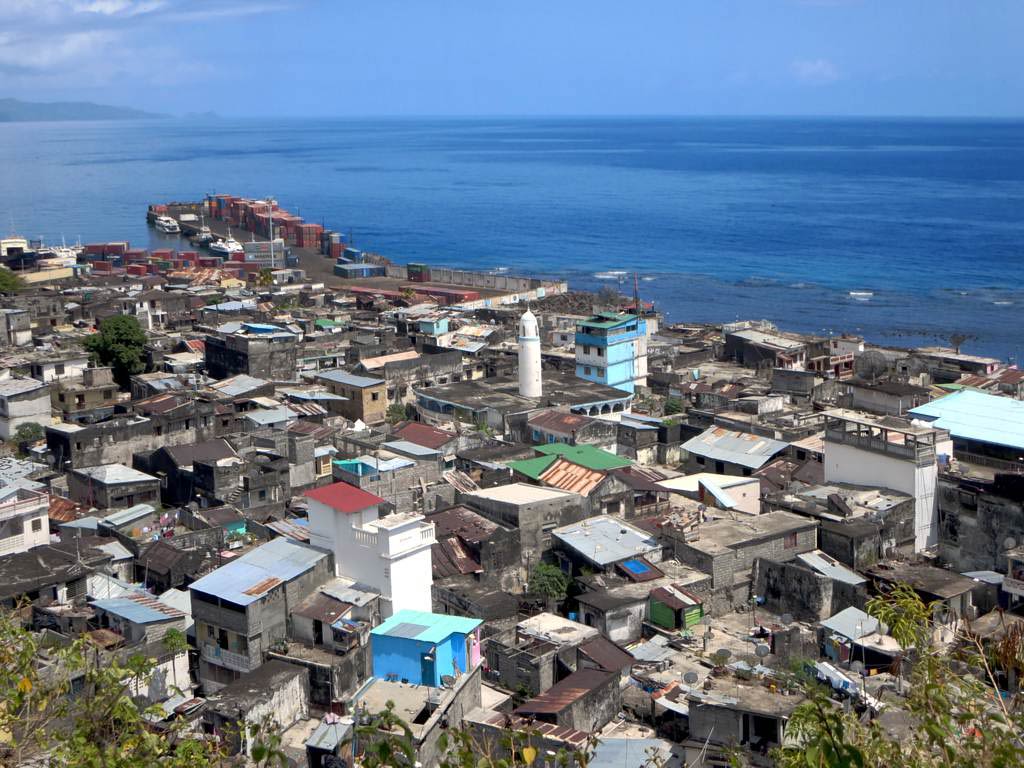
278	561
604	540
741	448
434	627
404	446
114	473
830	567
570	690
139	608
851	623
970	415
348	379
569	476
344	497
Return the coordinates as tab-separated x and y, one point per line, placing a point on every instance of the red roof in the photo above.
344	497
424	434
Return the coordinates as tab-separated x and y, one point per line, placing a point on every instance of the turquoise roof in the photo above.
425	626
971	415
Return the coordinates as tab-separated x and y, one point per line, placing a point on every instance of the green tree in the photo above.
29	432
265	278
119	344
175	643
955	718
673	406
10	282
102	724
549	582
396	412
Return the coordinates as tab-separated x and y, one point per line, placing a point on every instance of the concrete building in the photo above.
611	349
392	553
138	617
886	398
23	401
241	609
727	548
987	430
535	511
15	328
889	453
366	398
24	521
257	349
113	486
555	426
423	648
90	398
530	384
59	367
601	543
726	452
586	700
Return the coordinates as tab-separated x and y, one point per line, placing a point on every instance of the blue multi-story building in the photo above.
611	349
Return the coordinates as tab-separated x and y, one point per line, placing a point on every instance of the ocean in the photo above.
902	230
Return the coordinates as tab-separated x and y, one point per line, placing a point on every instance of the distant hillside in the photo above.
16	111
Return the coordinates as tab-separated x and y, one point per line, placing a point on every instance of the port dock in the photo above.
470	287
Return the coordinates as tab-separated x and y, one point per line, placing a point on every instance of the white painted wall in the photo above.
846	464
24	409
390	556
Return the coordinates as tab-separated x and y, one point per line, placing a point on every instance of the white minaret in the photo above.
529	356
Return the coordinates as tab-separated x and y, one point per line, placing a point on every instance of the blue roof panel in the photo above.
972	415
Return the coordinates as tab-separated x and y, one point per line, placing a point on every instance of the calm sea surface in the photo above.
723	218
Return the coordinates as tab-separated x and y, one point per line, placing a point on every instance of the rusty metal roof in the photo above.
567	476
561	695
264	585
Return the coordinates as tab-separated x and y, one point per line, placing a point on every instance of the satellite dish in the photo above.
787	618
690	678
762	651
857	667
706	621
723	654
1009	542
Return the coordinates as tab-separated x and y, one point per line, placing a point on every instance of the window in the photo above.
263	495
59	369
37	525
746	471
586	370
790	541
600	352
801	455
108	394
375	396
700	460
586	349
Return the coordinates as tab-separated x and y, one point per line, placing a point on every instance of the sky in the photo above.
296	58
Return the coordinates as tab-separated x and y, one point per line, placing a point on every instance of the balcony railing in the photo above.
237	661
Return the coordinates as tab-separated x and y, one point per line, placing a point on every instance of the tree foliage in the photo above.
673	406
119	344
953	716
549	581
396	412
10	282
79	709
29	432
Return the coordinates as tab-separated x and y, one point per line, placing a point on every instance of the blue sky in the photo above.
559	57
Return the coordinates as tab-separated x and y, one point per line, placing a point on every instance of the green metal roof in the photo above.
607	320
424	626
585	455
532	468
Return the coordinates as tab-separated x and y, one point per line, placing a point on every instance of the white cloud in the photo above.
814	71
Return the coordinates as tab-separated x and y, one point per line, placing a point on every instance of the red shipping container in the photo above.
102	266
116	249
95	248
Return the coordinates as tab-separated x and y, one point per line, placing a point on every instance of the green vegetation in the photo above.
952	718
10	282
102	724
119	344
265	278
549	582
30	432
396	413
673	406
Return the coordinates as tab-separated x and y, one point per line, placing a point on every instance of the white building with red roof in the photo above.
390	554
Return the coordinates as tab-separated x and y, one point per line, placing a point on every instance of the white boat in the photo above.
167	224
225	247
861	295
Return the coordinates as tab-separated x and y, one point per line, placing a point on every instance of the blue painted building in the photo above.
611	349
421	647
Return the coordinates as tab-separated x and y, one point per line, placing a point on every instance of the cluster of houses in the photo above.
347	499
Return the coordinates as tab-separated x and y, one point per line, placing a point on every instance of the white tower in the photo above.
529	356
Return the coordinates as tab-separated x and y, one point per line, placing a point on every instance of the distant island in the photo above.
17	111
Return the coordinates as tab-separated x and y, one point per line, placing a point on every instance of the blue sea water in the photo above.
722	218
